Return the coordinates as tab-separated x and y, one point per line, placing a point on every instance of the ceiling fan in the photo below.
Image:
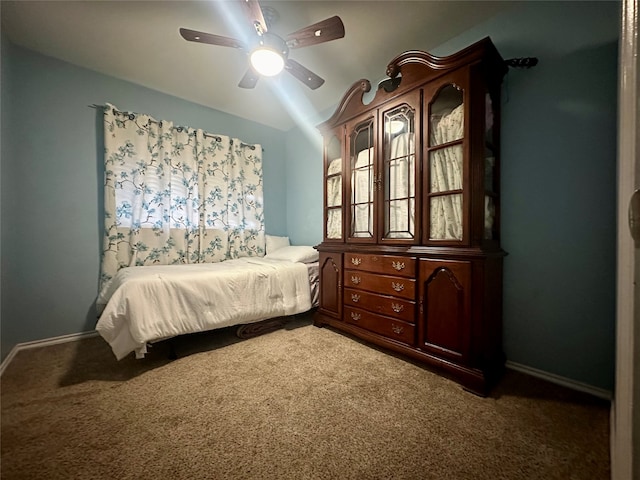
268	52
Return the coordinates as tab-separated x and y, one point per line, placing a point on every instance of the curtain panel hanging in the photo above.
177	195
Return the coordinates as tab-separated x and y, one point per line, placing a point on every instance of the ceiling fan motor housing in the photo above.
273	42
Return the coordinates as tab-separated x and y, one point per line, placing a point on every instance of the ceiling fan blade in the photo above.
324	31
249	79
210	38
253	12
303	74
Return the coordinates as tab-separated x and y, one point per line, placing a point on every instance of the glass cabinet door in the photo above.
333	192
399	173
490	171
446	164
362	157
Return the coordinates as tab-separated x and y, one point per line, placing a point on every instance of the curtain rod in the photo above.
93	105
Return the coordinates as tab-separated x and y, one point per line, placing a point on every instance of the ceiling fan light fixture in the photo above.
269	56
267	61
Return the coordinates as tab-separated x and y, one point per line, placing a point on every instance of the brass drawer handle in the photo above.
397	329
397	307
355	316
398	287
355	298
356	261
355	279
398	265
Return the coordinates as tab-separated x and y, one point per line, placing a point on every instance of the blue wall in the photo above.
304	183
558	184
52	185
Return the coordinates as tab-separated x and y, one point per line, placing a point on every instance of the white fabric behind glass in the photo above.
446	217
401	185
446	174
489	215
334	199
362	179
335	166
447	126
334	223
362	194
334	184
334	191
489	207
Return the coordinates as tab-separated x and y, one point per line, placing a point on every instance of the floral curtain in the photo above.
177	194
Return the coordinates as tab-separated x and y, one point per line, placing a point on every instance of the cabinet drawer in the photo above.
389	327
389	264
383	305
383	284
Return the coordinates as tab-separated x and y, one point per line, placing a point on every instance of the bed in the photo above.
146	304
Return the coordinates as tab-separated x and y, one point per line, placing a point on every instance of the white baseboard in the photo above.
73	337
557	379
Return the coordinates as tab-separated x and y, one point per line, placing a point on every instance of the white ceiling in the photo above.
139	41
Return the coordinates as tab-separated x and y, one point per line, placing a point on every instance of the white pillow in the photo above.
295	253
274	243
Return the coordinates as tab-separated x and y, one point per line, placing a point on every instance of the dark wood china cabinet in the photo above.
411	258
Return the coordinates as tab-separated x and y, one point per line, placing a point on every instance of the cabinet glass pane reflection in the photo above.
446	116
362	180
489	169
446	164
334	189
399	172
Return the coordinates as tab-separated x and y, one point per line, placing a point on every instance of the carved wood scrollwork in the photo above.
333	265
445	271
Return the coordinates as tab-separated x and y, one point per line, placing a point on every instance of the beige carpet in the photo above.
299	403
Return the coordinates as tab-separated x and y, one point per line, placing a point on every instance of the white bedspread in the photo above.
150	303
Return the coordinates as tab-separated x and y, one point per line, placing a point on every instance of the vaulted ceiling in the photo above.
139	41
